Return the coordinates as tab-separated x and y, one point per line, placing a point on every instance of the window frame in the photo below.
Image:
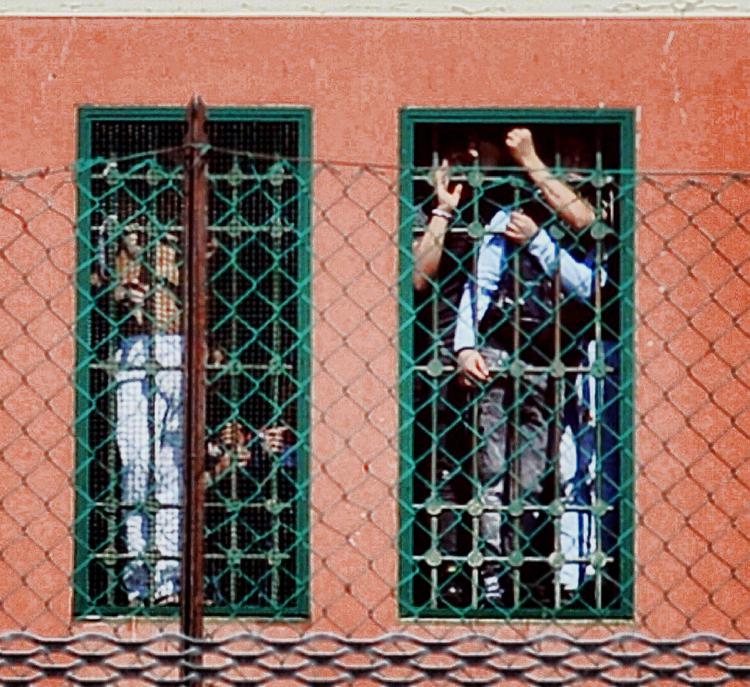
625	119
82	607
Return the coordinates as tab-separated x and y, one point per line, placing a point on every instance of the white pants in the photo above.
150	441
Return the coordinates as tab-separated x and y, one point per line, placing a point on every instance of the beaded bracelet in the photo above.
442	213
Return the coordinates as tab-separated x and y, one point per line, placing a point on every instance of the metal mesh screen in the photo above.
520	482
132	365
256	503
338	611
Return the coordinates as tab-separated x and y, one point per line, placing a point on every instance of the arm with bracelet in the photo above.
428	249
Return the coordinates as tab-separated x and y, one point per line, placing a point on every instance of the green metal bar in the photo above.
411	118
557	411
84	405
303	170
515	393
111	509
598	395
627	363
407	568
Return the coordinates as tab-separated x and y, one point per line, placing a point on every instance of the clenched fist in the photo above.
520	144
277	439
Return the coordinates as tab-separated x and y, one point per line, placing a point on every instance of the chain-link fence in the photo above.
228	338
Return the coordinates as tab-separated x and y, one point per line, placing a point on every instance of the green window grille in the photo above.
132	367
516	494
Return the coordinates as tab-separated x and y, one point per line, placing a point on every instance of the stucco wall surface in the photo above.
687	80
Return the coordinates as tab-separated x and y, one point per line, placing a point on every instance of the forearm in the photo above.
428	251
477	294
576	277
568	205
463	336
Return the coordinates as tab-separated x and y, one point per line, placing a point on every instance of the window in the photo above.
131	368
516	364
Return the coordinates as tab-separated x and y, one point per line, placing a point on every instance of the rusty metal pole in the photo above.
194	326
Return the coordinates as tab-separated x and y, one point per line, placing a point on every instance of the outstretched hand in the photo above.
277	439
447	200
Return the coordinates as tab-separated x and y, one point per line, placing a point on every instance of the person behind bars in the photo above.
506	316
149	424
150	415
440	260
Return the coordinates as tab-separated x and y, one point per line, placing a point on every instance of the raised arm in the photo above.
428	249
576	277
562	198
130	290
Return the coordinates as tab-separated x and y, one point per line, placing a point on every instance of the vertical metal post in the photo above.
195	279
597	400
559	377
513	418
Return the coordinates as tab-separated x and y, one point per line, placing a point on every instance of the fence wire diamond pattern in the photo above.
691	555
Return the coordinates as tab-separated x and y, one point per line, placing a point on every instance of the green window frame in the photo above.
438	579
256	552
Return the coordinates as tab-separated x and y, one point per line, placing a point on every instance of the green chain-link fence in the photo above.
357	480
518	490
132	366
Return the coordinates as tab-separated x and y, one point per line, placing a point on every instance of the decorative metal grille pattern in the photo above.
518	486
132	367
690	476
257	377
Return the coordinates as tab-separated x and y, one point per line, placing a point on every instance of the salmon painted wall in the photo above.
688	80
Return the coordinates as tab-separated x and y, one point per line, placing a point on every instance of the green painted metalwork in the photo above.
564	536
130	366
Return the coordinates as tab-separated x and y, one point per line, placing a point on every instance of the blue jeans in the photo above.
149	431
597	476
